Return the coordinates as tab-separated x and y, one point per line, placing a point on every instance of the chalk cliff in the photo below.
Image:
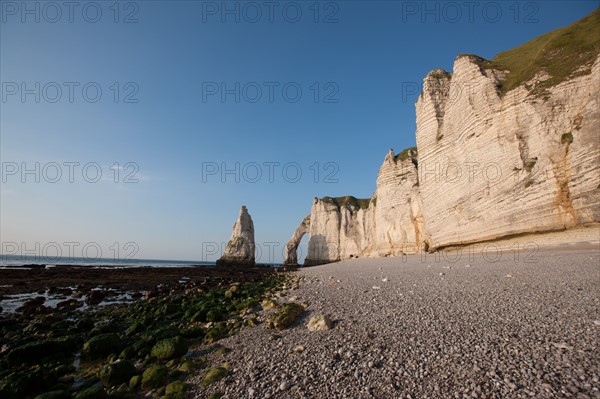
493	165
504	147
241	247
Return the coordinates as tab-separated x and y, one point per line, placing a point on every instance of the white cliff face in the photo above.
324	242
339	229
240	248
492	166
389	224
398	222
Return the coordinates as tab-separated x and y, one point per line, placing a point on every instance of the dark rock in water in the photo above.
34	302
101	346
117	373
136	295
154	377
170	348
60	291
151	294
95	297
69	304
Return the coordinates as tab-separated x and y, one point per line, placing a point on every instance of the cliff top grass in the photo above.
403	155
347	200
560	53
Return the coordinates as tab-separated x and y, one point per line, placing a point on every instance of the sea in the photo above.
10	261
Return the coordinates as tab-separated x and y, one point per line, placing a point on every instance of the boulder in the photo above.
285	316
100	346
319	323
117	373
170	348
155	376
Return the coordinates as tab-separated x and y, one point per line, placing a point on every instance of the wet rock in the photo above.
170	348
117	373
176	388
186	366
32	306
135	381
69	304
154	377
214	374
65	291
196	331
94	297
216	332
151	294
136	295
215	315
101	346
128	353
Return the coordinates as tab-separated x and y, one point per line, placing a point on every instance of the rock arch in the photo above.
291	256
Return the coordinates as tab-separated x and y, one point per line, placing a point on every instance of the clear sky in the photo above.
152	122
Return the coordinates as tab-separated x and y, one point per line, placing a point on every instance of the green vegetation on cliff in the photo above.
347	200
404	154
562	53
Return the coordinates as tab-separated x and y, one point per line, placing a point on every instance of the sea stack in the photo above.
240	248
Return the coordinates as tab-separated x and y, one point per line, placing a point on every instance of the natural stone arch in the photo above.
291	255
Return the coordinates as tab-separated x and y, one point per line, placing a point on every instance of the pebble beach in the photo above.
429	326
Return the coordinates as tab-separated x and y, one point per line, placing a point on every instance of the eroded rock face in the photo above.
505	147
488	166
388	224
241	247
398	216
339	229
492	166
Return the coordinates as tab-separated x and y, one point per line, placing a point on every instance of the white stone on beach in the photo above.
319	323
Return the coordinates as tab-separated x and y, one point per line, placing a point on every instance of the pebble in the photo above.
471	337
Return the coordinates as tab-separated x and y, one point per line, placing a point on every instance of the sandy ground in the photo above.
520	323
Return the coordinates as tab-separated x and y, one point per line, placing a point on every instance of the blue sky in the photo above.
127	115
